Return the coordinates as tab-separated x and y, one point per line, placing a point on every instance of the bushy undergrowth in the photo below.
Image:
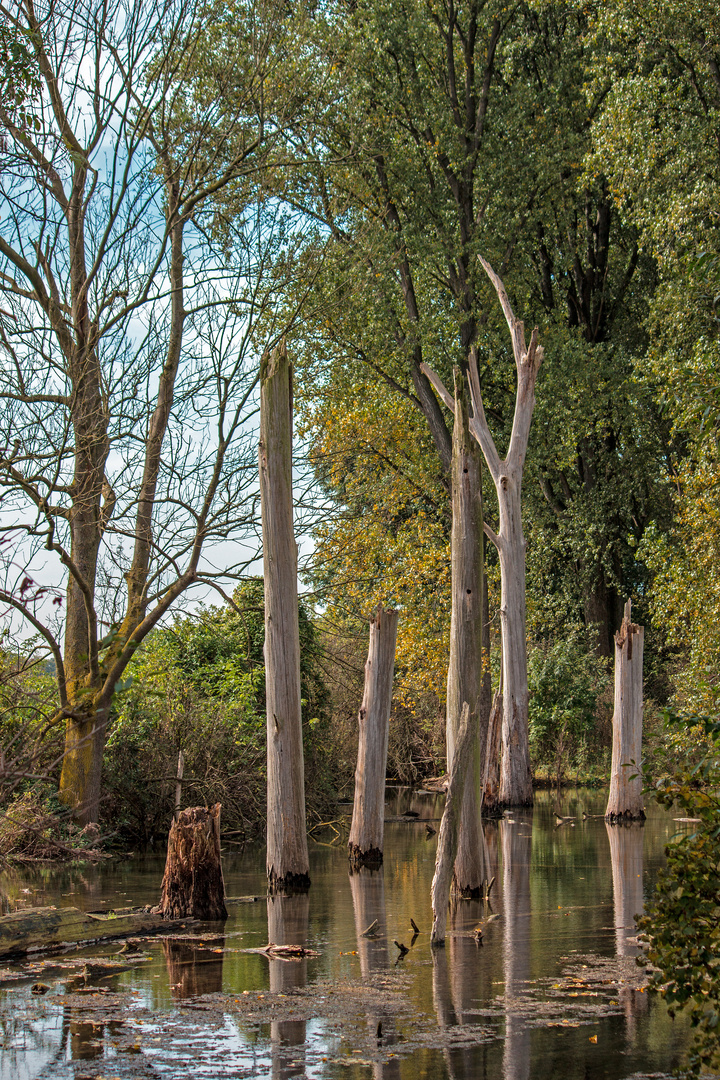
199	686
681	924
570	706
34	825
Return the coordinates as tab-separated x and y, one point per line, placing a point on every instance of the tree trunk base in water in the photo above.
192	885
465	892
625	818
289	885
372	859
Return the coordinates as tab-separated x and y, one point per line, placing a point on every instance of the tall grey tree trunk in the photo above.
625	800
465	670
516	776
451	825
491	775
515	773
365	844
287	851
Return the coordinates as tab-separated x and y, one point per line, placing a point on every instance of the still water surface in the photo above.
564	900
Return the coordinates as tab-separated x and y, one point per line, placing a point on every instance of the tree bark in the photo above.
365	844
516	776
192	885
491	777
625	800
465	670
450	826
287	851
515	773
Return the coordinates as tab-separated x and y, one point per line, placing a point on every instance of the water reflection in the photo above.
516	843
463	971
626	856
368	897
194	968
288	918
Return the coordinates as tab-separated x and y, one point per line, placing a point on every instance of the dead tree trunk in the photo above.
465	670
450	826
287	852
491	778
625	800
365	845
516	776
192	886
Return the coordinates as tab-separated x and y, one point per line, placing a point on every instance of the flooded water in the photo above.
552	990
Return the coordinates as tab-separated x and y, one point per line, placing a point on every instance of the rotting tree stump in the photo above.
625	802
192	886
365	844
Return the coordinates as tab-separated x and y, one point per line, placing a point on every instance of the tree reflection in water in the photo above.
626	855
516	843
462	976
288	918
194	967
368	896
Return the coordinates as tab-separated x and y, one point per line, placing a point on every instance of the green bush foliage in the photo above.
198	685
568	725
681	925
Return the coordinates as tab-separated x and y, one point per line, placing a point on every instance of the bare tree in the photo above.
507	474
126	327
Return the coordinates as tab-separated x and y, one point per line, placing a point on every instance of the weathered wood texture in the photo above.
287	851
192	886
625	800
491	776
50	928
365	844
507	473
450	827
465	669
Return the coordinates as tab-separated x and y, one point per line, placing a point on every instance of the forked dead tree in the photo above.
287	851
365	844
625	801
507	473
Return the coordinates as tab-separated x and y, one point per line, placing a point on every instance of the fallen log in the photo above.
49	928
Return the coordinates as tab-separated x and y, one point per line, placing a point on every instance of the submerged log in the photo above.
365	844
625	801
48	929
450	825
192	886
